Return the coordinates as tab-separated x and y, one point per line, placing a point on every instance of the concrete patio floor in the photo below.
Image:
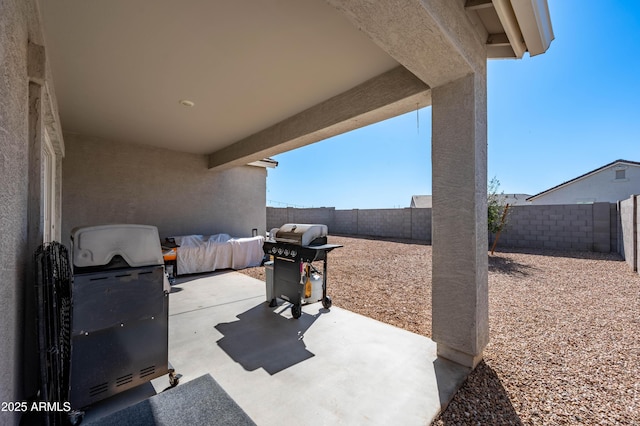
327	367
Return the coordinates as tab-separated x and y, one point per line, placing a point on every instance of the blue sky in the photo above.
551	118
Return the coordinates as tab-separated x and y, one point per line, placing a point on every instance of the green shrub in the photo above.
495	207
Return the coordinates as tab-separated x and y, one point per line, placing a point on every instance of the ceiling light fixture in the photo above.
186	102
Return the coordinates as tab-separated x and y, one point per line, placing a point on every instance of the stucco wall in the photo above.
19	24
13	195
599	187
109	182
636	256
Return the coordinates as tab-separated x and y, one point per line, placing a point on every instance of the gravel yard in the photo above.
565	329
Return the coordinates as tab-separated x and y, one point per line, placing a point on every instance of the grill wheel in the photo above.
296	311
326	302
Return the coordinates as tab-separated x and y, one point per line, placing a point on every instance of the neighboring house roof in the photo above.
513	199
592	172
421	201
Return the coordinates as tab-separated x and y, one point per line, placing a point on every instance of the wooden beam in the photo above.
390	94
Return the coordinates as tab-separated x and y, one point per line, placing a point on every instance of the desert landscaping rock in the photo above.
565	329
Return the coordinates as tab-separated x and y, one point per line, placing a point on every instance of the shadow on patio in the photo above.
275	346
327	367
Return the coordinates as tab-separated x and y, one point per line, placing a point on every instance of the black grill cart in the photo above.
294	248
120	311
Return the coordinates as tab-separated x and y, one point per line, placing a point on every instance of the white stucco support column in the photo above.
459	165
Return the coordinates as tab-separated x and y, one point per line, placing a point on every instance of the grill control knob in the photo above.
280	250
286	252
274	249
293	253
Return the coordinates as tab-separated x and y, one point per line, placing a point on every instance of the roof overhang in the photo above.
513	27
270	76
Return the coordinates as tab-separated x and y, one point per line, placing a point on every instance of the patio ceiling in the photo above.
122	68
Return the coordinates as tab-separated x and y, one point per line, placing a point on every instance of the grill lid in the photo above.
139	245
301	234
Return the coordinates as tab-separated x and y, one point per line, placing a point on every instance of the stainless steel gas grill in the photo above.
119	332
294	248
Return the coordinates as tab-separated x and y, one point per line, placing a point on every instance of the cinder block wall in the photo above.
584	227
614	228
324	215
276	216
421	224
346	222
392	223
409	223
